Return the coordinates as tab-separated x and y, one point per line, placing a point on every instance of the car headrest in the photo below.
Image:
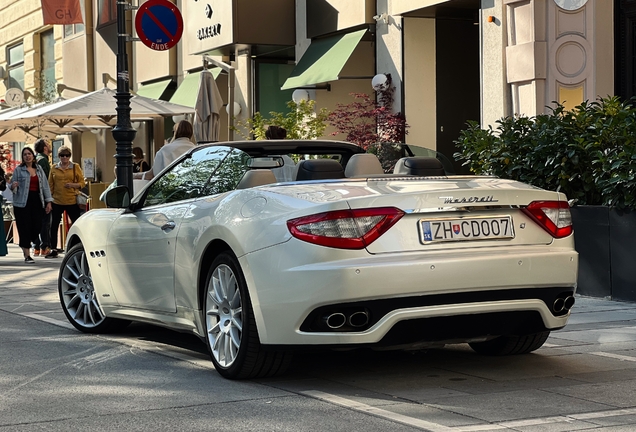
256	177
319	169
419	166
363	164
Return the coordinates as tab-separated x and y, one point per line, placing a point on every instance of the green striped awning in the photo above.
155	90
323	61
186	93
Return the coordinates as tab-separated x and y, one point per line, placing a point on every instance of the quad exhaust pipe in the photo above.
335	320
563	304
355	319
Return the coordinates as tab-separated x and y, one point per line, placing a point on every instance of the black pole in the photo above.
123	132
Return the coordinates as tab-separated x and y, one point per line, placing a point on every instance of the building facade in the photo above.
450	60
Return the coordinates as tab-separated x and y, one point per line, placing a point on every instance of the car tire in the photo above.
231	333
77	295
511	345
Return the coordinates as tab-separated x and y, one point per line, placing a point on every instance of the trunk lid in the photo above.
436	209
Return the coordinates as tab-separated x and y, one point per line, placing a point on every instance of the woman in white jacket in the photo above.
181	143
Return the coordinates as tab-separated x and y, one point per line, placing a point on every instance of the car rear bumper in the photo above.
286	288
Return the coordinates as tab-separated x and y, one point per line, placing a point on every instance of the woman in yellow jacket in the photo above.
66	179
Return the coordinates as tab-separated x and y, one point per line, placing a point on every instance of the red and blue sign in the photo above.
159	24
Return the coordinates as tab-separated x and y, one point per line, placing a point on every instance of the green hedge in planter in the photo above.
588	153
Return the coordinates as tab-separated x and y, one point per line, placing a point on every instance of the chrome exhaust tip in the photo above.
569	302
359	319
559	305
335	320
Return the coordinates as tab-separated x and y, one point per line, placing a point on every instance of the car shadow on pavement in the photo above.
152	333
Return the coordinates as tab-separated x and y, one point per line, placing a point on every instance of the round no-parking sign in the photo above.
159	24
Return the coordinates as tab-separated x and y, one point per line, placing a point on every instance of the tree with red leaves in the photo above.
6	161
372	124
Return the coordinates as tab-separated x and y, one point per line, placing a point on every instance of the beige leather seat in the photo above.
256	177
362	165
419	166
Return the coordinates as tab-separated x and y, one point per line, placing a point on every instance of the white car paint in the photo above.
143	270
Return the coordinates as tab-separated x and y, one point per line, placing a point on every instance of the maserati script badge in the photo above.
467	200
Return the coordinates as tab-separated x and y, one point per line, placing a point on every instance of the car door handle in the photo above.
168	226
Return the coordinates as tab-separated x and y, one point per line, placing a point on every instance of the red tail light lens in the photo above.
553	216
345	229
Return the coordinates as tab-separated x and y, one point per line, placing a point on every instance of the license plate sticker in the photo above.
465	229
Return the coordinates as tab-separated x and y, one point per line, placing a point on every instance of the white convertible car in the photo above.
258	255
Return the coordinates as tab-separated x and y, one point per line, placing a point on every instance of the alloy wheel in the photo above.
224	315
77	291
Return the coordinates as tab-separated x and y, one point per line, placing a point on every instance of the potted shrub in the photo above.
589	153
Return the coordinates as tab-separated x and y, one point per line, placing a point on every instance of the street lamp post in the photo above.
123	132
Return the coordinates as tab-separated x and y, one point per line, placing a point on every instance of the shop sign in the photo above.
209	24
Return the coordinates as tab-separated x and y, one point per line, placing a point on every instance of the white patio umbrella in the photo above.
99	108
207	108
17	134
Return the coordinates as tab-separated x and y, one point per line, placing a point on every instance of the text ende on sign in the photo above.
159	46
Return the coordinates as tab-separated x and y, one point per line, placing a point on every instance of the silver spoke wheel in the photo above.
77	292
224	315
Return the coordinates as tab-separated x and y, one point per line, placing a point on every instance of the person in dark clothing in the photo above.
139	164
275	132
3	239
41	246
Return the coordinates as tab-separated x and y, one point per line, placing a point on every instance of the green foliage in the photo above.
588	153
46	90
300	122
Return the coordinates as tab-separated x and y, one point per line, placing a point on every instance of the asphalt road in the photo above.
54	378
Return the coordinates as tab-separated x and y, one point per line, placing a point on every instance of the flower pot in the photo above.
622	254
606	242
592	242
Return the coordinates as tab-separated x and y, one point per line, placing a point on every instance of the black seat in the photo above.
319	169
419	166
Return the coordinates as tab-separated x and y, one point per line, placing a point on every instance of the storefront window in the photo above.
47	42
15	66
73	29
270	78
107	12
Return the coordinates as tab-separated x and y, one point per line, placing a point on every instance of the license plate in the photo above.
446	230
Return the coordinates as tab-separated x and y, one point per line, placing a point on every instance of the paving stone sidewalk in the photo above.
30	288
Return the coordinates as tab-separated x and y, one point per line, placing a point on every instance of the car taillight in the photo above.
345	229
553	216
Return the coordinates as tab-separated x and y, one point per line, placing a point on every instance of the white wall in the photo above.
419	81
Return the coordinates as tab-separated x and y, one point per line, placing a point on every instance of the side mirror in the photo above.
118	197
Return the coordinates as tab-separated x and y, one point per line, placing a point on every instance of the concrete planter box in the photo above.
606	242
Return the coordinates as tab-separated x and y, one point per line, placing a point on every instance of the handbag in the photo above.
81	198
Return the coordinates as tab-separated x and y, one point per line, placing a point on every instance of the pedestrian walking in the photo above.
66	180
3	238
31	200
275	132
139	164
286	172
181	143
42	157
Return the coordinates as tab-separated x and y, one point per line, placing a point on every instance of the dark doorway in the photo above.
457	74
625	50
